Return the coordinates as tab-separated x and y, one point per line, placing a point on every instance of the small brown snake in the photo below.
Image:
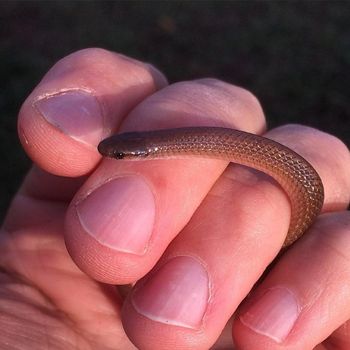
296	176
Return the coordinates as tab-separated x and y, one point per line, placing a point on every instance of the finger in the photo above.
305	297
222	252
80	101
127	213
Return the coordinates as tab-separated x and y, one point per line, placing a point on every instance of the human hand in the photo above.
202	233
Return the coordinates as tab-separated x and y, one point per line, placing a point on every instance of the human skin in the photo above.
195	235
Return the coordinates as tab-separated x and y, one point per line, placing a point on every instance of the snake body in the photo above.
297	177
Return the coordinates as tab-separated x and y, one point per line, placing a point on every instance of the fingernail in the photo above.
76	113
176	295
273	315
120	214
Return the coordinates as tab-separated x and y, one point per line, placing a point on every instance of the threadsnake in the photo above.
296	176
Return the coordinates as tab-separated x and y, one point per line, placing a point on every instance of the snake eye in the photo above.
119	155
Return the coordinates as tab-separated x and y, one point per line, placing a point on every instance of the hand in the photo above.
200	232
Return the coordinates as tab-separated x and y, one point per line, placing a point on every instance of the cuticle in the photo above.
63	91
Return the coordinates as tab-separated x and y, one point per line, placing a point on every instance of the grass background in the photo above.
294	56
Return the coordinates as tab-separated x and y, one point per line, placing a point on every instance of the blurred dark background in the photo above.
294	56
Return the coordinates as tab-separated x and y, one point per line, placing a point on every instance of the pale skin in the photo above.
64	246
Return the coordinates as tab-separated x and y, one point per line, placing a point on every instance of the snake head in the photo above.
130	145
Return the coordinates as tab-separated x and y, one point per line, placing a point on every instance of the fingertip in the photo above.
99	261
109	227
80	101
58	136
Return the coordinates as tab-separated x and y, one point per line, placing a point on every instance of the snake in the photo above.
293	173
